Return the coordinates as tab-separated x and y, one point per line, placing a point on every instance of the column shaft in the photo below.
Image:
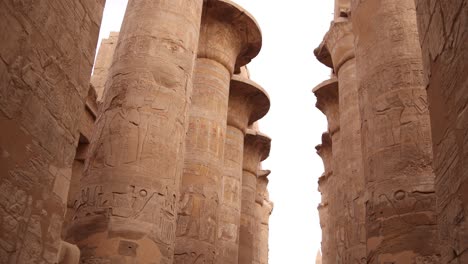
229	222
400	211
229	39
126	210
204	156
350	161
247	227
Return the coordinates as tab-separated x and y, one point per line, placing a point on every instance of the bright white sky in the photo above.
288	70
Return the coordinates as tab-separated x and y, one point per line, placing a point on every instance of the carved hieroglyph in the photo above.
229	39
248	102
126	209
443	27
46	51
400	210
103	63
256	149
348	207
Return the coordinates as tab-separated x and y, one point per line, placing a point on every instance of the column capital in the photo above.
340	43
324	150
256	149
323	54
327	102
262	183
248	102
229	34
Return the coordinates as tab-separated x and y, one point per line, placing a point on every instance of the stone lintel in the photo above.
340	43
327	102
256	149
230	35
248	102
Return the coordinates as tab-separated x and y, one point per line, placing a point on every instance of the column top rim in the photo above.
244	22
253	93
262	141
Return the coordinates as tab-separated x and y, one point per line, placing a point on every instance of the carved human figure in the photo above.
229	39
128	204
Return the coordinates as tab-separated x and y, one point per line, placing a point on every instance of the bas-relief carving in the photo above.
194	258
197	217
131	202
231	192
136	118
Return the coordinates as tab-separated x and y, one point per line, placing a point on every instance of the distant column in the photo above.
328	102
256	149
229	39
350	201
400	210
126	212
263	209
324	150
103	64
248	102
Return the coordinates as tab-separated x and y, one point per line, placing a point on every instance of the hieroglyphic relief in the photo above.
197	217
139	126
157	207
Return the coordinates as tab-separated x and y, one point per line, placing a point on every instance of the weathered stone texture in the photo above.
324	150
248	102
263	210
103	63
400	210
127	207
46	56
349	207
229	39
331	206
443	28
86	129
256	149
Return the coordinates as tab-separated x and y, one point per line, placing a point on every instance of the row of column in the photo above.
378	188
173	170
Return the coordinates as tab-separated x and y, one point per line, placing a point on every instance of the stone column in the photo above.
126	210
443	28
400	211
324	150
263	209
327	101
256	149
229	39
103	63
351	202
248	102
46	50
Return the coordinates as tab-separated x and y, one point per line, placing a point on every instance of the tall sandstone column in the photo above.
400	211
46	50
256	149
443	27
263	209
324	150
229	39
328	102
351	202
126	211
248	102
103	64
